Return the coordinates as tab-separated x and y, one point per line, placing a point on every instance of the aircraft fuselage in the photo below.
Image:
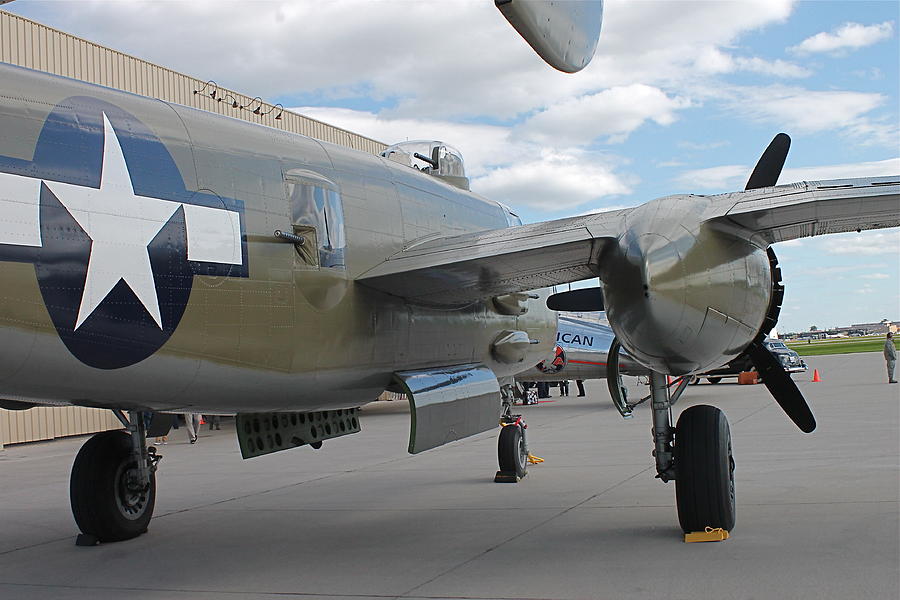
221	315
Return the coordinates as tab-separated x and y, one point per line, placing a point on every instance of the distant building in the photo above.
855	330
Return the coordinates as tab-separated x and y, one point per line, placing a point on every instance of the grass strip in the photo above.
837	347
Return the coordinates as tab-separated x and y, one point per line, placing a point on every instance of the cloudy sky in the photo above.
681	97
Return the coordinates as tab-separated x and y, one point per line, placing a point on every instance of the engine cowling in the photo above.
681	296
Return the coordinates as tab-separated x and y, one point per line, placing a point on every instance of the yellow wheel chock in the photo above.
709	534
534	460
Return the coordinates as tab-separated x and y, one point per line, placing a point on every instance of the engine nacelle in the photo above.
682	296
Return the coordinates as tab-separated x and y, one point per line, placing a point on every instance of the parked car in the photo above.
789	359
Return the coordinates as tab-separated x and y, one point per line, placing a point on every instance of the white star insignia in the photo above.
121	225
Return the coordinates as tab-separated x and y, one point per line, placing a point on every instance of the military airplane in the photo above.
155	257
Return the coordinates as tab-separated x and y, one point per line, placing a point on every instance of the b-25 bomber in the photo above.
155	257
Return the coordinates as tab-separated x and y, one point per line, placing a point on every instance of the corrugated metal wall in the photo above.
49	422
29	44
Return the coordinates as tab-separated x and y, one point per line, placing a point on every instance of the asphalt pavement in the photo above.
817	514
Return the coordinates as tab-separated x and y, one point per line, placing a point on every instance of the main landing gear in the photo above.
512	447
113	484
696	454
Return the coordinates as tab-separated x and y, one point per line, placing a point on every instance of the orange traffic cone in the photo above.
816	375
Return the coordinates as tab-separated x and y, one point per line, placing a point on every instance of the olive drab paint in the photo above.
235	318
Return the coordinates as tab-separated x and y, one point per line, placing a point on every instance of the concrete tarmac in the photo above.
360	518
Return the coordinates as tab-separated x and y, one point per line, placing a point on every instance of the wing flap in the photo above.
457	270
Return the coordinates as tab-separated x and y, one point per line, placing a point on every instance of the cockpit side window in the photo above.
316	205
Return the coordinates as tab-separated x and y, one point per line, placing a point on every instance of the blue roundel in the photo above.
114	260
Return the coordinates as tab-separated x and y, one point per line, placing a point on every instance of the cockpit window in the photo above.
432	157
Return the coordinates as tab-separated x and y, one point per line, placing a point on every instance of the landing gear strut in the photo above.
697	455
113	484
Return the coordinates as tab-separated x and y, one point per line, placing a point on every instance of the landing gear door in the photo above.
317	216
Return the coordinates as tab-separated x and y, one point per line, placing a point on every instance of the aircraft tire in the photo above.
704	486
102	505
511	452
714	380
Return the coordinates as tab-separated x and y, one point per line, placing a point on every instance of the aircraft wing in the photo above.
455	270
460	269
796	210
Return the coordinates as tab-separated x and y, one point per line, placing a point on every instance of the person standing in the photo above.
564	387
580	384
192	420
890	356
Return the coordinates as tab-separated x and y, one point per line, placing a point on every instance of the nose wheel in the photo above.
696	454
704	486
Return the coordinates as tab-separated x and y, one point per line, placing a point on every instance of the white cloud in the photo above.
836	270
733	177
869	243
715	61
602	209
481	145
614	112
805	111
777	68
407	55
725	177
878	168
711	145
802	111
875	276
553	182
849	36
513	171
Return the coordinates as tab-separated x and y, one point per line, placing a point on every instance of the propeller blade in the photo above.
782	387
585	300
767	170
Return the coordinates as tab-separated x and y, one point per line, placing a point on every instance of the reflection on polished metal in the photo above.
264	433
663	431
449	404
617	390
511	347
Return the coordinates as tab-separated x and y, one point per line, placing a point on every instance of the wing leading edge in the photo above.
809	208
457	270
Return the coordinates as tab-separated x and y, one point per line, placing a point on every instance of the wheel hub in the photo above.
131	496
